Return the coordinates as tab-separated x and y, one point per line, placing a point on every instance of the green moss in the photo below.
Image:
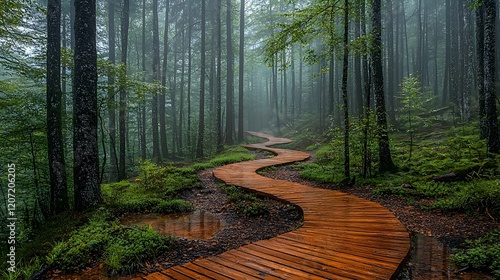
121	249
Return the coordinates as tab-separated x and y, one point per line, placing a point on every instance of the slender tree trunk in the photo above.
483	128
85	146
345	71
123	89
201	124
241	72
143	103
390	63
230	77
493	141
358	96
156	83
57	166
385	158
218	94
161	100
190	59
113	168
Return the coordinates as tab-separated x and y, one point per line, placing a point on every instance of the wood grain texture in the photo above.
342	237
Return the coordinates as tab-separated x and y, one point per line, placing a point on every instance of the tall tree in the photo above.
156	80
218	94
85	147
201	123
230	75
161	111
242	69
57	170
493	141
480	71
345	71
385	158
122	114
143	105
113	170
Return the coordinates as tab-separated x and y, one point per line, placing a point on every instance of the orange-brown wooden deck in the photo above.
343	237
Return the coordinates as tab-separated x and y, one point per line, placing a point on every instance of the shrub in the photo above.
481	254
121	249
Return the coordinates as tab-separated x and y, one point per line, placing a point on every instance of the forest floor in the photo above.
239	229
451	228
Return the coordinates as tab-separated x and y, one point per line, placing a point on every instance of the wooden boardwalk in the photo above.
343	237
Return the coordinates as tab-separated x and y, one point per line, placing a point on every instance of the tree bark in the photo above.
483	128
161	101
230	76
493	141
241	73
156	82
57	166
85	146
345	71
385	158
123	89
201	123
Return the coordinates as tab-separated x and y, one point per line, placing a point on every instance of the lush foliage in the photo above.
120	249
481	254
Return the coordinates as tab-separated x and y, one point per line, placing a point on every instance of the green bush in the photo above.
167	180
252	209
481	254
235	194
121	249
477	195
156	205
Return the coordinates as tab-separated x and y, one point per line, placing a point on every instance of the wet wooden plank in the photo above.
343	236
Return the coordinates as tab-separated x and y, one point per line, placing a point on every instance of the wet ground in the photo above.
199	224
430	259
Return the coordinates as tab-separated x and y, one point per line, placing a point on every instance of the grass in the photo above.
246	202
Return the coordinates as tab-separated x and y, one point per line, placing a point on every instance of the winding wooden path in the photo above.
343	237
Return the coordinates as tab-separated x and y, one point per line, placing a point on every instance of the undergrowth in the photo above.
246	202
104	240
80	240
481	254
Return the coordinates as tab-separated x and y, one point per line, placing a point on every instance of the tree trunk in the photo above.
161	101
85	147
230	77
345	71
483	128
123	89
385	158
241	72
218	91
493	141
201	123
156	83
113	168
57	167
143	103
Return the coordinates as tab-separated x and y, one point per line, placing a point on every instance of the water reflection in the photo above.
199	224
430	259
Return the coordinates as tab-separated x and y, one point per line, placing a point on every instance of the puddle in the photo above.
199	224
429	259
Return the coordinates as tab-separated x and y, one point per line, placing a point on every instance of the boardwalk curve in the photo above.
343	236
